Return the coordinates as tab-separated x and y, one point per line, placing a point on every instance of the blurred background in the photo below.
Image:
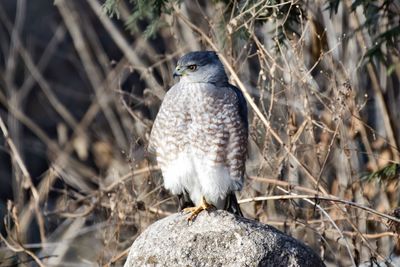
81	83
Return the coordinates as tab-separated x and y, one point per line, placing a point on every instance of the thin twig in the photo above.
347	245
19	248
28	179
316	197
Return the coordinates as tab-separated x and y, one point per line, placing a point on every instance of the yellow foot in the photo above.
194	211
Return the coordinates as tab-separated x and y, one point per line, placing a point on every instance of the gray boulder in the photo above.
217	238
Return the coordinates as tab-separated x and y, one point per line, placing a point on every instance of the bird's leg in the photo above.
194	211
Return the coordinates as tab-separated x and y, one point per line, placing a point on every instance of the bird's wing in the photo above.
238	134
242	106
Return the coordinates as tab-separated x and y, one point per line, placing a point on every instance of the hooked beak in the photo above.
177	72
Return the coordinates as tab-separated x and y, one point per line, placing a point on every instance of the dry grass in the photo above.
77	109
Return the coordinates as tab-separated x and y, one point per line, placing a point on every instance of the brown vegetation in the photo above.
78	94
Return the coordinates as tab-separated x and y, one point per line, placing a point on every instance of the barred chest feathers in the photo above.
201	142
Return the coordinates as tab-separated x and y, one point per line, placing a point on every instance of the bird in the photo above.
200	136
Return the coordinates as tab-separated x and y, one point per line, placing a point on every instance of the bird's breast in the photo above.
200	121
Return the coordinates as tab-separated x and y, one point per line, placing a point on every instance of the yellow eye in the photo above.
192	67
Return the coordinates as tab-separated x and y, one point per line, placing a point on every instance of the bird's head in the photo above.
201	67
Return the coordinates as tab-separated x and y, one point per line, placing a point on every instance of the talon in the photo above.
194	211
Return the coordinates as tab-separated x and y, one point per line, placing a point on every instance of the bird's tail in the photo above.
232	204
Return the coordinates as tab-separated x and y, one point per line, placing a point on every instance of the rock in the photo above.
217	238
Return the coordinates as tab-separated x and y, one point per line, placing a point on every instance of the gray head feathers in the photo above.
198	57
201	67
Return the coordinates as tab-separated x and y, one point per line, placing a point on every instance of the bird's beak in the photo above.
177	72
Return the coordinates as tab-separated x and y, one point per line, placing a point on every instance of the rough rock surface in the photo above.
217	238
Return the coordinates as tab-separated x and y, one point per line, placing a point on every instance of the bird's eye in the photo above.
192	67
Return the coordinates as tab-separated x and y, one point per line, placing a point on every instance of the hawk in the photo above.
200	135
